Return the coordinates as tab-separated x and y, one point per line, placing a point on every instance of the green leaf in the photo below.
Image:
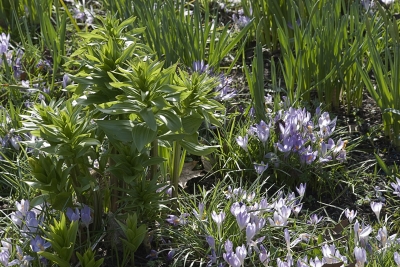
192	123
89	142
53	258
195	149
61	200
39	200
142	135
382	164
124	132
148	116
170	119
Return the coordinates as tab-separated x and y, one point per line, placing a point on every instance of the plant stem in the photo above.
154	153
175	171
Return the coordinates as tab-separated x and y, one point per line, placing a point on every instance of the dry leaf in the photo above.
188	173
337	230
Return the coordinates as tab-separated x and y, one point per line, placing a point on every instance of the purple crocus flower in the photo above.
262	131
65	80
200	67
361	256
31	222
350	214
396	187
4	43
243	141
175	220
241	253
218	218
308	156
264	256
39	244
250	232
21	259
85	215
396	257
243	219
211	241
240	20
314	219
4	257
260	168
73	215
301	189
232	259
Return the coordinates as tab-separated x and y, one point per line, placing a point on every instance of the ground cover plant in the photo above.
199	133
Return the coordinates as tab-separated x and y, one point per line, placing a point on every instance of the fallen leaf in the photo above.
188	173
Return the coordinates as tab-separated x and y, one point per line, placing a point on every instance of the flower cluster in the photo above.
242	236
29	222
83	214
294	132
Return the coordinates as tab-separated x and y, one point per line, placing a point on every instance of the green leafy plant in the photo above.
62	239
134	236
313	58
385	64
181	32
88	259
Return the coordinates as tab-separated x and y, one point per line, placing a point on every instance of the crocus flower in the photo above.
332	255
243	141
264	256
175	220
242	219
296	209
232	259
4	43
240	20
4	257
85	215
361	234
382	236
39	244
212	257
260	168
301	189
250	232
200	67
376	208
350	214
170	255
211	241
22	207
361	256
218	218
65	80
314	219
73	215
397	258
262	131
241	253
287	238
199	215
278	220
153	254
22	260
316	262
31	222
228	245
396	187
